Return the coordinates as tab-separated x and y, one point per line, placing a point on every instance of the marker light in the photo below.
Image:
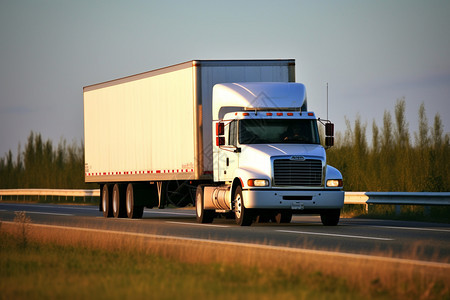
258	182
335	183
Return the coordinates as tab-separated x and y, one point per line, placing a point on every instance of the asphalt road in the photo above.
410	240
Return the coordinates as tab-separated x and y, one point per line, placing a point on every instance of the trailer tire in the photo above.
203	215
244	216
330	217
118	201
133	211
106	201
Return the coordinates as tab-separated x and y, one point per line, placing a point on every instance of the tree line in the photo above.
391	162
42	165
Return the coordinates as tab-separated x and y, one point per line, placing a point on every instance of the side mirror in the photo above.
220	131
329	141
329	135
329	129
220	141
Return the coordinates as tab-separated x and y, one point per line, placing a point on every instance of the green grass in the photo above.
436	214
42	263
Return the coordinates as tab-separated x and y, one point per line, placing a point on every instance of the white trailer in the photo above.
149	140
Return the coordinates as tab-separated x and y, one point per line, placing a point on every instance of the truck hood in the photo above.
258	156
260	150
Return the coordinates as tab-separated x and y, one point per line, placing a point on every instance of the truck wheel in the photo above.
106	201
118	202
284	217
133	211
203	215
244	216
330	217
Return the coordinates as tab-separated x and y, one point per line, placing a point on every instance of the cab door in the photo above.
229	154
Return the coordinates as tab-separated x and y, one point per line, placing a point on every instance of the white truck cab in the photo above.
268	161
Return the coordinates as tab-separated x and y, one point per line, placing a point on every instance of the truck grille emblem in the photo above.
297	158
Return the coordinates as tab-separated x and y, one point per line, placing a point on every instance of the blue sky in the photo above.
371	53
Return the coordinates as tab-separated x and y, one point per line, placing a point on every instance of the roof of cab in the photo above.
257	96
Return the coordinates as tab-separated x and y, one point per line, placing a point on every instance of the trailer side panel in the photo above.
141	129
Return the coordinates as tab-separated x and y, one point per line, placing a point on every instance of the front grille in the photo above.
297	173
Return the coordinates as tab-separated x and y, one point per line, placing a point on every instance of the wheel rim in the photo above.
115	204
198	204
238	208
129	201
104	201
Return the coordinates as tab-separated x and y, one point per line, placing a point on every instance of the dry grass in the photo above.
23	222
360	276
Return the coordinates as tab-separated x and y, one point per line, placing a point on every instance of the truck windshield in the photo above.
282	131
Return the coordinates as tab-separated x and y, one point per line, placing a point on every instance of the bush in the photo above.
393	163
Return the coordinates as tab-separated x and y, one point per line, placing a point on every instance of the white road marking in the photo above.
337	235
410	228
80	207
168	213
46	213
198	224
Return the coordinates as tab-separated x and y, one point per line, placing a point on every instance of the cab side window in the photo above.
232	134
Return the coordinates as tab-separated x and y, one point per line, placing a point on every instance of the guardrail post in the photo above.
427	211
398	210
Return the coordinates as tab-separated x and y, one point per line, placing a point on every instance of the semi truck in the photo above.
233	138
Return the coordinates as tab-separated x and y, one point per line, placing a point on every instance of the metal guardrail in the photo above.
397	198
10	193
394	198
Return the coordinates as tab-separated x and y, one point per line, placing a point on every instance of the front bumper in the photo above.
293	199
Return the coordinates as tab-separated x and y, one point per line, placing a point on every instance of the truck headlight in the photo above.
258	182
335	183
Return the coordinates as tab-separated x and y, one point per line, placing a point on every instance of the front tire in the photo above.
244	216
203	215
330	217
